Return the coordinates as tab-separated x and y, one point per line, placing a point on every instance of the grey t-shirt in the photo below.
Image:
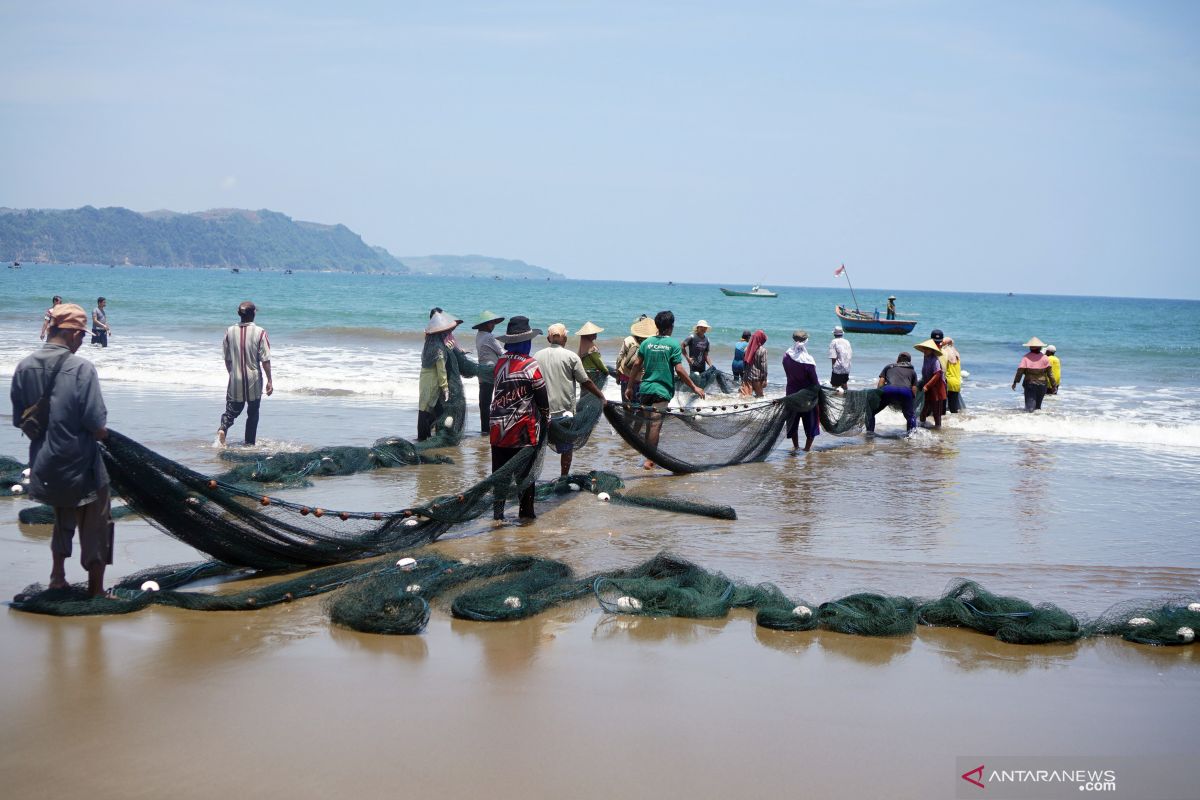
65	464
562	369
899	375
695	349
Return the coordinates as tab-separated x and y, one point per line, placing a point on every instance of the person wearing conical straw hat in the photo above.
1037	373
696	348
891	307
488	352
434	387
629	368
588	352
933	382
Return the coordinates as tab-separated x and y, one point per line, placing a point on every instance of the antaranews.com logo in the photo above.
1052	777
1087	780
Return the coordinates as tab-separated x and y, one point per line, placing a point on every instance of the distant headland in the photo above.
222	238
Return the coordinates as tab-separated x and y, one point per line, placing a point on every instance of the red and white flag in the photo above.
839	270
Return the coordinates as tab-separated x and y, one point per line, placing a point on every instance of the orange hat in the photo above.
68	316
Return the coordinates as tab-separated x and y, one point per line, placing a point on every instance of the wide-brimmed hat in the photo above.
69	317
589	329
644	328
928	344
518	331
1034	342
703	324
485	317
441	322
891	297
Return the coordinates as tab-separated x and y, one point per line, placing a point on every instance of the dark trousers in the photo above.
425	420
953	402
896	395
233	408
99	337
485	406
1034	392
810	420
500	457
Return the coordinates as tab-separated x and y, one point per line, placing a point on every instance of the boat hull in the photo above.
732	293
852	323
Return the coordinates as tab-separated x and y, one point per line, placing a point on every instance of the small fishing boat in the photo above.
755	291
856	321
235	270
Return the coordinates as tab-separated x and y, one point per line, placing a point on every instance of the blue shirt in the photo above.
739	355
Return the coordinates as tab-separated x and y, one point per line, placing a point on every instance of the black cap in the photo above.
937	335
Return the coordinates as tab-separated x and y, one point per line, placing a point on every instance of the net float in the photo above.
1138	622
406	563
150	586
212	485
344	516
266	501
318	512
803	612
512	602
603	497
1185	634
304	511
629	604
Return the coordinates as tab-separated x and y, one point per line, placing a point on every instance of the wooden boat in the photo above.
756	291
856	321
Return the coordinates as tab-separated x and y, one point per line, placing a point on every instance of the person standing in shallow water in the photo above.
801	371
1055	369
1037	373
100	329
564	373
433	389
661	360
54	301
247	358
840	354
696	348
739	358
754	378
933	382
65	467
520	409
488	352
952	366
898	382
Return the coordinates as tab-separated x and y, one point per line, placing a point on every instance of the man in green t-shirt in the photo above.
661	359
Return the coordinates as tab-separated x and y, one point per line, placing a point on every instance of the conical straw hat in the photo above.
1035	342
589	329
485	317
441	322
644	328
928	344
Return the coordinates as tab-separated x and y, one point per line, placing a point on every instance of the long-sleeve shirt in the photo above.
519	402
799	376
433	382
1035	368
488	351
246	348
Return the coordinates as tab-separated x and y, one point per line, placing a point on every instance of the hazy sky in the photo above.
991	146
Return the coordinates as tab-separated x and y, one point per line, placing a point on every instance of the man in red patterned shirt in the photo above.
520	409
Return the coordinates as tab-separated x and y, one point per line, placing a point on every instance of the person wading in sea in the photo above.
487	351
661	360
1037	373
1055	368
801	371
247	358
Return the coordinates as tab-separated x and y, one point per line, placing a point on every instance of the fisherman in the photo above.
891	307
1038	375
933	382
952	366
739	357
434	385
487	351
100	329
840	354
754	377
49	313
562	370
801	371
898	382
68	420
247	358
629	367
588	352
696	348
1055	368
661	360
520	410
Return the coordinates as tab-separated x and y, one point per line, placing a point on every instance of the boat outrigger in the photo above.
756	291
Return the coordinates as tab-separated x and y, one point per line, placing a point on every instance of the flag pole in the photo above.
851	285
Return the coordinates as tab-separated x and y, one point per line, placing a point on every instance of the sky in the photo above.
1048	147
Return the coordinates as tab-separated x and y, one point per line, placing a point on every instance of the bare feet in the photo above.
221	436
648	465
58	583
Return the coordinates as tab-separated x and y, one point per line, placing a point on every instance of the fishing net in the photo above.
295	469
452	416
709	378
708	437
397	597
966	604
44	515
12	478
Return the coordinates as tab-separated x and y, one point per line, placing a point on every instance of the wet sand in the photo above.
573	703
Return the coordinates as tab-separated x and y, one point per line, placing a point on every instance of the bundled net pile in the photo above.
708	437
295	469
712	379
396	597
11	477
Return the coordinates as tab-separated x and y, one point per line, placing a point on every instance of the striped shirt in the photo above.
246	348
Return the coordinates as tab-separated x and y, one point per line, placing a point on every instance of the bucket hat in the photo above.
703	324
838	331
589	329
518	331
441	322
485	317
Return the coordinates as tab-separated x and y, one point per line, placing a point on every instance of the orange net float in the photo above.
318	512
344	516
212	484
304	511
377	515
266	501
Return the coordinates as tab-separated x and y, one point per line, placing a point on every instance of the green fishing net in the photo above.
295	469
966	604
11	477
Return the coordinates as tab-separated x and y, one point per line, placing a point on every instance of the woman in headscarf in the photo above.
434	386
952	364
754	379
801	371
933	382
588	352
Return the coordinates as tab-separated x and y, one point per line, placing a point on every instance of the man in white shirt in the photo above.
563	369
840	354
247	349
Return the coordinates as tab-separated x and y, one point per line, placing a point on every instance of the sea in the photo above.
1105	477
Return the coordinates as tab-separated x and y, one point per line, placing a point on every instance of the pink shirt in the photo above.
1035	361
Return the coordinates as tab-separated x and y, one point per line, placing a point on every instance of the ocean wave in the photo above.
362	333
1108	429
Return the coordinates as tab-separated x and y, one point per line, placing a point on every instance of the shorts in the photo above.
565	447
839	379
653	401
94	522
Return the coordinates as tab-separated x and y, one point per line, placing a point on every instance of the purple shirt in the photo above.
799	376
